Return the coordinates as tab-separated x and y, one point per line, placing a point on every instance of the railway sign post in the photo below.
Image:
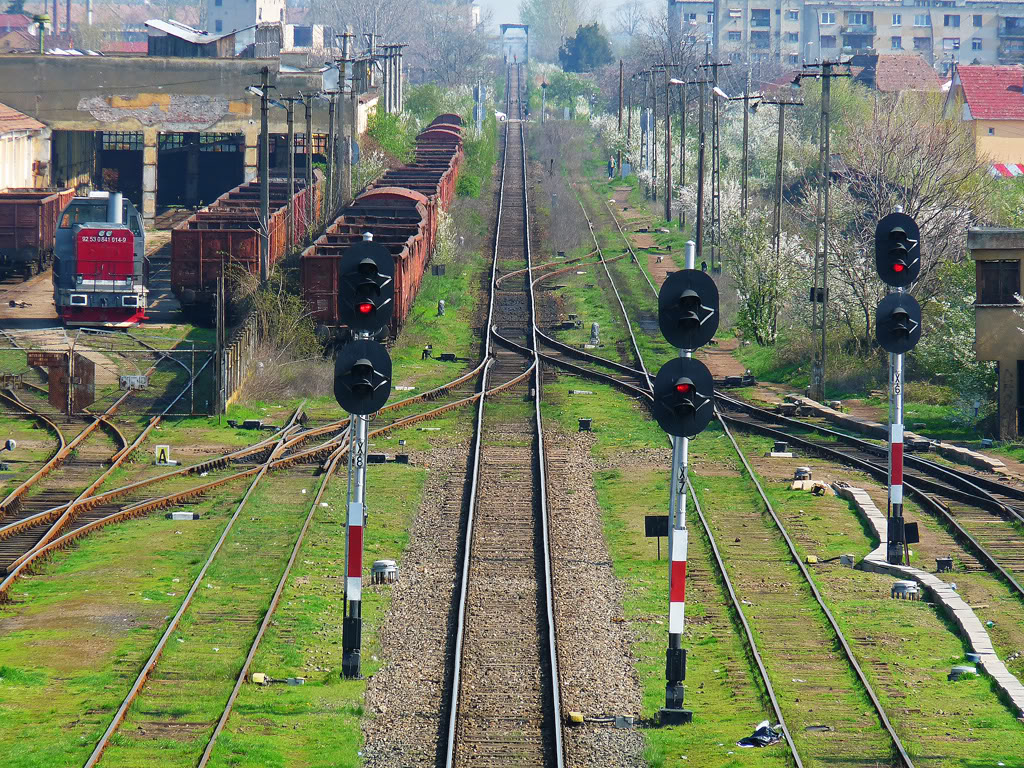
683	405
897	329
362	384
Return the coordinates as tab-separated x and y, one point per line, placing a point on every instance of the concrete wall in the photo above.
997	335
239	14
19	151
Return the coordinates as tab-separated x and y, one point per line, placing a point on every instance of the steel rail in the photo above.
615	290
847	650
629	246
150	664
751	643
881	473
534	369
267	617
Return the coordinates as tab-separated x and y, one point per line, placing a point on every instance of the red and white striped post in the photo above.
895	534
352	624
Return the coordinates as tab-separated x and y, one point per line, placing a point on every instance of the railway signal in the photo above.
362	384
898	250
897	330
683	406
366	287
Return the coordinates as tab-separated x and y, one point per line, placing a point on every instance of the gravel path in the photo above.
406	695
594	654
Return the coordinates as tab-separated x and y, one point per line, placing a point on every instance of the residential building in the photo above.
990	98
789	32
24	150
242	16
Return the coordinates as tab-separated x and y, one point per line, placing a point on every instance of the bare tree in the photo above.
630	17
551	22
393	21
907	155
451	49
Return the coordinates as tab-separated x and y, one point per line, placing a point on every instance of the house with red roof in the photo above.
991	99
24	150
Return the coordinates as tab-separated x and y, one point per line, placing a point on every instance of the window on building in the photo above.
922	43
794	58
975	43
302	37
218	26
897	43
828	17
922	20
977	19
951	20
858	19
760	17
991	131
691	17
828	41
735	56
735	13
760	40
218	3
711	17
897	19
951	43
997	281
793	15
792	37
735	36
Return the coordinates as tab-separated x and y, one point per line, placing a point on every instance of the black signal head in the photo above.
898	250
683	397
898	323
362	377
688	308
366	287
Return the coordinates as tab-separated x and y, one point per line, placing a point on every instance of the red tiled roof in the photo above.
896	72
9	21
13	120
993	93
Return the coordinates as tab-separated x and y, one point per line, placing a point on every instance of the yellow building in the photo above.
990	98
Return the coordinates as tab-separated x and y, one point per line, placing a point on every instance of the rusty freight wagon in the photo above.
401	211
228	232
28	228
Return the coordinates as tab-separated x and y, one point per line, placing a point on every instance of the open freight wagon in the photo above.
228	232
28	229
401	211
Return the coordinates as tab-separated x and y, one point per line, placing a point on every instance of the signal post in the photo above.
683	406
898	329
362	384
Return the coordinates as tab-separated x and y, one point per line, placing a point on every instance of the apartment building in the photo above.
792	31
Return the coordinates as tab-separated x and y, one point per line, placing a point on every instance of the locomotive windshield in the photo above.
80	213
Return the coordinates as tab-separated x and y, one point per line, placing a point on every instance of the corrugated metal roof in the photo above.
12	120
183	31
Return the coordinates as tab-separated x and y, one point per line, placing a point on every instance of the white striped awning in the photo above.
1007	170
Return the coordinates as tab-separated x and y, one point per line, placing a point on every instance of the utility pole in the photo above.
309	164
682	148
668	147
700	174
264	175
331	155
620	118
819	286
218	395
746	142
290	101
346	80
716	165
777	213
654	137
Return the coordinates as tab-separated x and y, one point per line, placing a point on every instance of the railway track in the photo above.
981	513
504	698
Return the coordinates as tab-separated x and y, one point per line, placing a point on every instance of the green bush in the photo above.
396	136
480	160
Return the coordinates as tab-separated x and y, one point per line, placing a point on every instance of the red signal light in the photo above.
897	267
684	388
364	307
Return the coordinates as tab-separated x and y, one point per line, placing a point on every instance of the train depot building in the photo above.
169	131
